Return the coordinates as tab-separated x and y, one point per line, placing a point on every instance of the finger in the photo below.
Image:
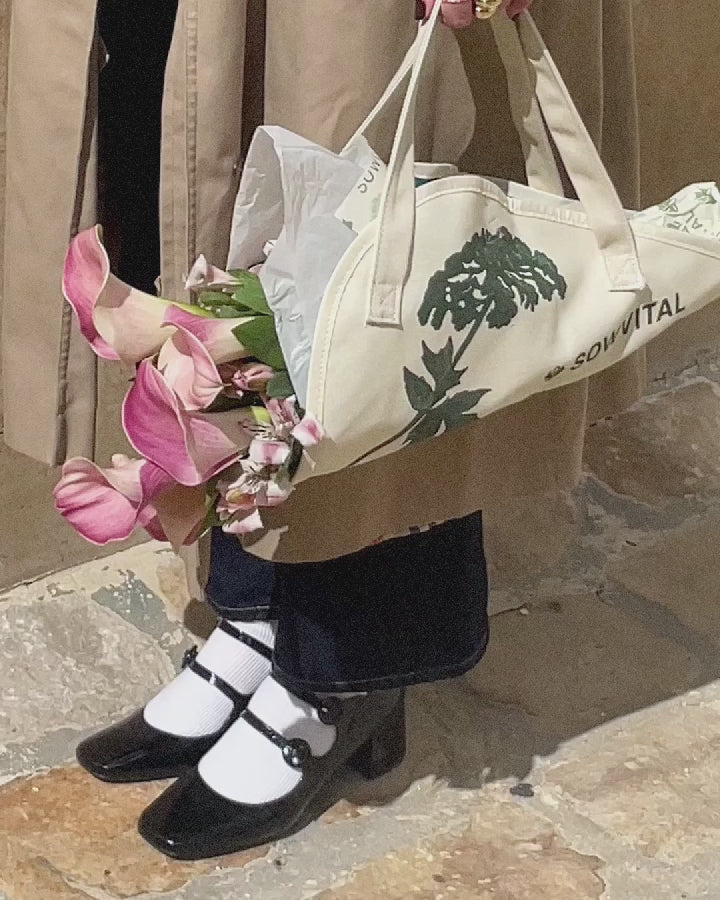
515	7
458	13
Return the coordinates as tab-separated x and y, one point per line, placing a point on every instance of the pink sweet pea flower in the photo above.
252	377
190	446
189	370
205	276
120	322
105	505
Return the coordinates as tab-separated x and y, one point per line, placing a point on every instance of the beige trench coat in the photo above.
326	63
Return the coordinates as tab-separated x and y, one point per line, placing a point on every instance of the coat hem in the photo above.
385	682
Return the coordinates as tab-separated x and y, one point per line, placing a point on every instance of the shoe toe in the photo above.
190	821
113	754
133	751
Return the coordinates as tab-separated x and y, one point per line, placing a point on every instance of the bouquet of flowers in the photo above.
210	412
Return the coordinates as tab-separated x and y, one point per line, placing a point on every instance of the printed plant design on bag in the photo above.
495	277
681	212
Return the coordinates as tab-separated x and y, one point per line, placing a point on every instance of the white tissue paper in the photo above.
302	206
298	209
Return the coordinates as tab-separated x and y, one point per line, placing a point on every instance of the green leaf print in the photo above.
494	278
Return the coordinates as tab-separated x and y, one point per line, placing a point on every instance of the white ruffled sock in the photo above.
191	707
245	766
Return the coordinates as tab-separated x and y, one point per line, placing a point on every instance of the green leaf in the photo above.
249	294
259	338
456	410
218	304
280	386
488	280
465	400
226	312
440	366
426	428
261	415
212	520
419	392
247	298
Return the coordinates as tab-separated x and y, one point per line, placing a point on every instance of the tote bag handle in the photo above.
396	220
540	165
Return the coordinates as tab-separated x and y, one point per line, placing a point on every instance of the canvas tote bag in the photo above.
469	294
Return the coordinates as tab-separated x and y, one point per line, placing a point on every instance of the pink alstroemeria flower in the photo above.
287	422
204	275
190	446
105	505
271	444
189	370
241	525
122	323
241	499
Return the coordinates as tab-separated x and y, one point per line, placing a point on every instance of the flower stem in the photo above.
462	349
391	440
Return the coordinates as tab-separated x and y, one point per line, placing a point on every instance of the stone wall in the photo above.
680	115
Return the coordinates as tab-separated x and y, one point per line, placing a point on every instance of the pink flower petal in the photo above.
283	414
277	492
246	525
216	440
215	334
191	447
152	422
150	521
154	481
87	268
106	505
204	275
89	503
189	371
308	432
269	453
117	320
252	377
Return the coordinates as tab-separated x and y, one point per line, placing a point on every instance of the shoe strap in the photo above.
247	639
295	752
238	700
329	709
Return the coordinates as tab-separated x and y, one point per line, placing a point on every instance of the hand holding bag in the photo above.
470	294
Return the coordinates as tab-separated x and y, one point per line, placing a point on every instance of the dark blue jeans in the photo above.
410	610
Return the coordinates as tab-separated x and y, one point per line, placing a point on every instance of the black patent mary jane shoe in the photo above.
191	821
133	751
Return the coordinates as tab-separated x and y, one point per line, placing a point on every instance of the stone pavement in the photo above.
580	761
